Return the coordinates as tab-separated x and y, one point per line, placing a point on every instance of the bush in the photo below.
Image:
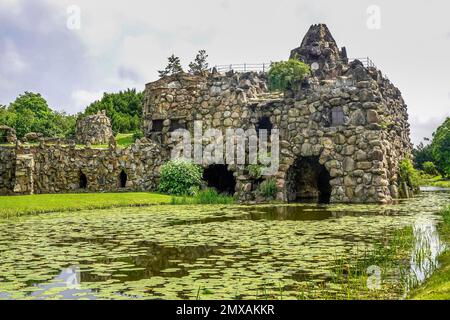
268	188
284	74
409	175
430	168
180	177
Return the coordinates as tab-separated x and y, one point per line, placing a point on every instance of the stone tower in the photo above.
95	129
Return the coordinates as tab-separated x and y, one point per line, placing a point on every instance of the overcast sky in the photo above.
122	44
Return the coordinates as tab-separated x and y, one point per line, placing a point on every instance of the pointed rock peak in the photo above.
319	49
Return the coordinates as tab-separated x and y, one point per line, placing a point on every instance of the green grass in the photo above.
12	206
436	181
125	139
437	287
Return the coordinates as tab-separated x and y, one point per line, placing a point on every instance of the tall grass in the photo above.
208	196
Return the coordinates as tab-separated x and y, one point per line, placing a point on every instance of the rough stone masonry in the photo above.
343	132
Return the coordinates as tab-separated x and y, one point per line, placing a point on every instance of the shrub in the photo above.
430	168
284	74
409	175
180	177
268	188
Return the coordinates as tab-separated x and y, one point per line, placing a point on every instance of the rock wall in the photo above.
59	168
7	169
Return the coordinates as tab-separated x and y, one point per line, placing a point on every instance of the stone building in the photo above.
343	132
95	129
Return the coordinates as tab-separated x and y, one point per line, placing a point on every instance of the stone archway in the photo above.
308	180
218	176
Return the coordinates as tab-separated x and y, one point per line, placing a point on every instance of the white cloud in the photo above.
11	63
82	98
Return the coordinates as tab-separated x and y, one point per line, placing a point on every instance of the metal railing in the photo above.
264	67
244	67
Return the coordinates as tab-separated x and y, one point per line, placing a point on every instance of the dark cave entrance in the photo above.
308	181
220	178
83	181
123	178
264	124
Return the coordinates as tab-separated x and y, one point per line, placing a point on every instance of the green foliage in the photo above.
211	196
284	74
123	108
31	113
138	135
440	148
173	67
268	188
430	168
409	175
180	177
422	153
255	171
200	64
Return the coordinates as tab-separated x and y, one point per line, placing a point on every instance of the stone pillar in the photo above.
24	182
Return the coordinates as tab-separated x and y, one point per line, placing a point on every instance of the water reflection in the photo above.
67	286
426	250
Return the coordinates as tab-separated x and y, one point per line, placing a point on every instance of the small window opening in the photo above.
157	125
337	116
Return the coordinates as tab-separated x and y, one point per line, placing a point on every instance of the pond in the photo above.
220	252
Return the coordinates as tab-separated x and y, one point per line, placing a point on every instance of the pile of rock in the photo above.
94	130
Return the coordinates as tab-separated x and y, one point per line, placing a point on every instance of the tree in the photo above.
173	67
440	148
33	102
284	74
31	113
422	153
123	108
200	64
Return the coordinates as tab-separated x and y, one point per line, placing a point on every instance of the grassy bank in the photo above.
438	285
436	181
23	205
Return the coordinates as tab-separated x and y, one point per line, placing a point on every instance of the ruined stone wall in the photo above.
58	169
218	100
7	169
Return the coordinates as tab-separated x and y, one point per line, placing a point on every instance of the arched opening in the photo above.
265	124
123	178
220	178
83	181
308	180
